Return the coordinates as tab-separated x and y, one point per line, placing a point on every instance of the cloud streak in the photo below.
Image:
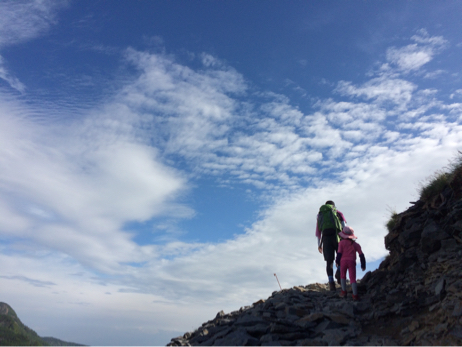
22	21
25	20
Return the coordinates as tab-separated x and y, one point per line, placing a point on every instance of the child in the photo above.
346	258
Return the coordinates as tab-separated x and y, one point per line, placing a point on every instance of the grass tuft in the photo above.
393	219
437	182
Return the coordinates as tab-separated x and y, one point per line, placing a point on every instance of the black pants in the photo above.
329	249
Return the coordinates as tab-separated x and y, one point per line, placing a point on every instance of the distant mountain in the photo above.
14	333
57	342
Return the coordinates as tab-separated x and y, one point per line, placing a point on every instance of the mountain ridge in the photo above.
413	298
14	333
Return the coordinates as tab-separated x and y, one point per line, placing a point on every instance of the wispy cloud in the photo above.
272	145
412	57
72	186
11	80
456	94
34	282
382	90
21	21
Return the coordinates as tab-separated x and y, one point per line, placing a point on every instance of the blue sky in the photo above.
161	160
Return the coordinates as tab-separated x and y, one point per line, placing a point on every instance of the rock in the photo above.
268	338
338	318
257	330
277	328
313	317
300	288
237	338
248	320
296	311
311	342
410	237
431	238
395	297
439	289
305	324
457	310
335	337
456	332
414	325
327	325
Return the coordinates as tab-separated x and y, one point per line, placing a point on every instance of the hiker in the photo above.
329	223
346	258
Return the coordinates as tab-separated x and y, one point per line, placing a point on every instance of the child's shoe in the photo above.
343	294
355	297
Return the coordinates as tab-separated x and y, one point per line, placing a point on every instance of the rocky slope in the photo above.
413	298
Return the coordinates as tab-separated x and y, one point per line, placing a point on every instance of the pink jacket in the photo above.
348	250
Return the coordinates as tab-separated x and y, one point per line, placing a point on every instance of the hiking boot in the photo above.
337	276
355	297
343	294
332	286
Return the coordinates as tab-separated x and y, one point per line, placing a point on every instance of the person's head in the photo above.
347	233
330	202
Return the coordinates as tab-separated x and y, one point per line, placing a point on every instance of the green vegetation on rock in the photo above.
14	333
441	179
57	342
392	221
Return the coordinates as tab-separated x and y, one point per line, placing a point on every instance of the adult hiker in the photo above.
329	223
346	258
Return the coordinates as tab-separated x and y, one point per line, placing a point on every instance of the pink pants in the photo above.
349	265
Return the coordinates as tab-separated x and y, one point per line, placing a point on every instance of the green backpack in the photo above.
327	218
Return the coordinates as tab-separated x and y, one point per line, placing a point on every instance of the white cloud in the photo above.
434	74
21	21
382	90
273	142
414	56
11	80
71	190
25	20
423	37
209	60
347	111
191	108
219	135
409	58
457	93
